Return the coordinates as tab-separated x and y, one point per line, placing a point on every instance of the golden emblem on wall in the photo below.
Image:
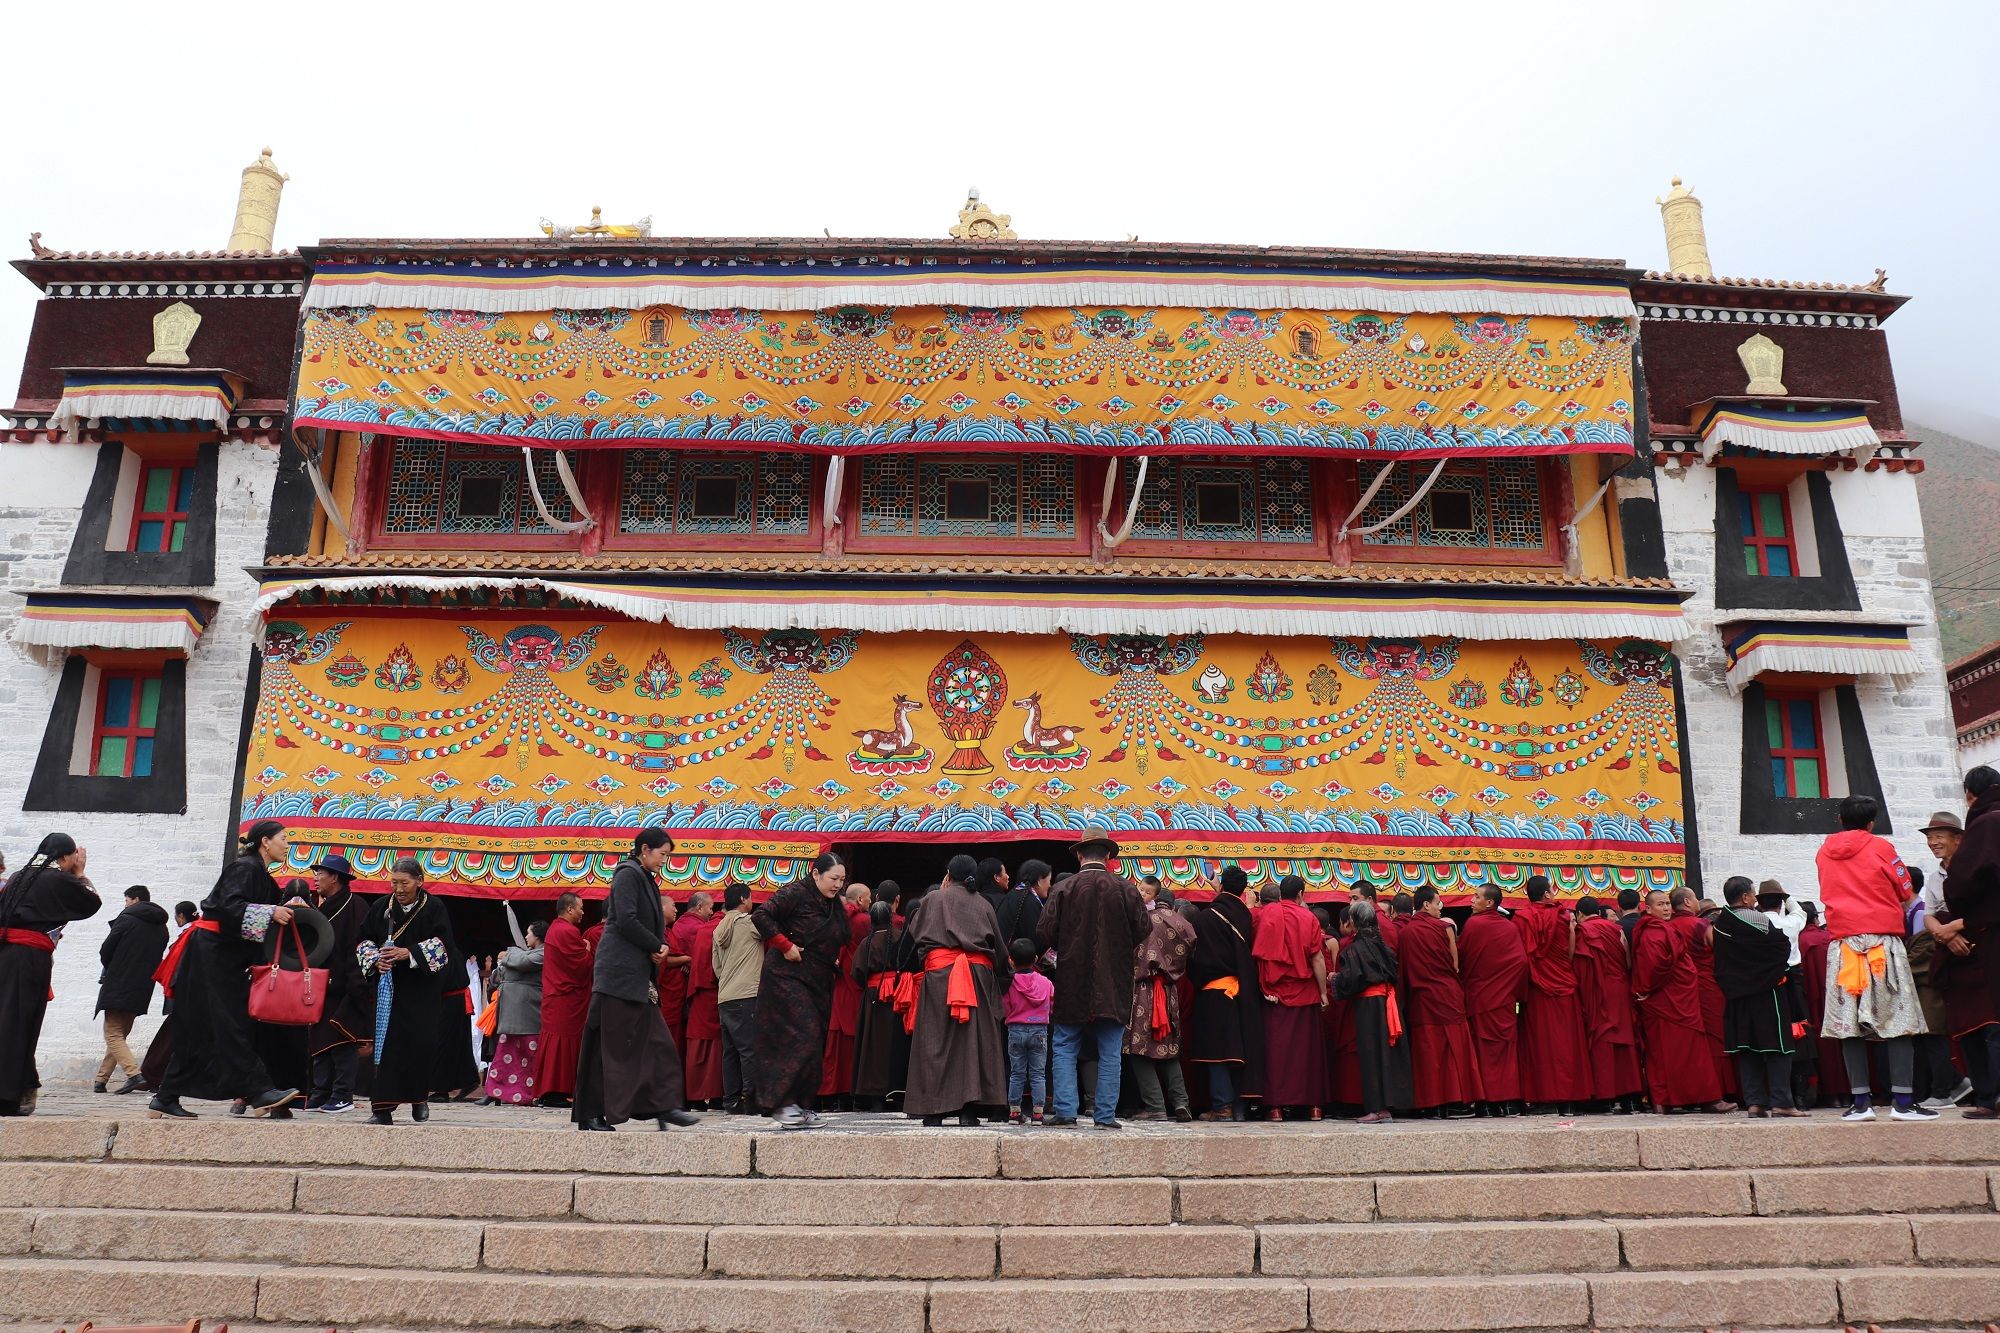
173	330
977	222
1764	362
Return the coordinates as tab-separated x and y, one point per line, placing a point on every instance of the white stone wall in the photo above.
176	856
1910	731
1984	751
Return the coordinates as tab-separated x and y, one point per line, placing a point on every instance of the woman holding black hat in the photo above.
48	893
213	1055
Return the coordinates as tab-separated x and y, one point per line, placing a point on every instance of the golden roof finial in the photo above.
256	225
597	226
1687	242
977	222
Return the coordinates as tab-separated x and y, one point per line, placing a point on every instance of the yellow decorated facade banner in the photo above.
516	757
1092	379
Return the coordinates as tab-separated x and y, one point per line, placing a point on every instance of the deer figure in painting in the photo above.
899	739
1035	736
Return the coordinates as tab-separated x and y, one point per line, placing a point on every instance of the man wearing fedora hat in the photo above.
348	1019
1095	921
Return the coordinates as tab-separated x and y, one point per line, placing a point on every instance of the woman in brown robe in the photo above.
958	1053
804	927
1153	1038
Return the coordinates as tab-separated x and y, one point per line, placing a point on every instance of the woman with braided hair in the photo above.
47	894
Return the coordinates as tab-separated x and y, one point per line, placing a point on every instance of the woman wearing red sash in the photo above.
47	894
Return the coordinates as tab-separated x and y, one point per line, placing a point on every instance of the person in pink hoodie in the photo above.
1871	995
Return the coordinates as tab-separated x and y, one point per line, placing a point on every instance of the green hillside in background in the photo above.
1959	490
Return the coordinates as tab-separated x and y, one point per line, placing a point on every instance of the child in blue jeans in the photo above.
1026	1009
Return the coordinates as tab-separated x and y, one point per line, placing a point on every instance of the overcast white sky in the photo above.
1825	139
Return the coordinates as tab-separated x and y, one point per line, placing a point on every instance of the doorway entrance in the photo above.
914	864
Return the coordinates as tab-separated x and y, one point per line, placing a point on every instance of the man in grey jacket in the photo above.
738	954
630	1067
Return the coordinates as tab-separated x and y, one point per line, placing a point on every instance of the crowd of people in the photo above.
1045	997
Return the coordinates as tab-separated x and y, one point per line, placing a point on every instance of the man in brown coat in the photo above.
1095	921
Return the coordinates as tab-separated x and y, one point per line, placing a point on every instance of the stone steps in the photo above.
51	1289
1638	1225
931	1253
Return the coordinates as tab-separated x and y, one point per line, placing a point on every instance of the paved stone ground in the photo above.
71	1099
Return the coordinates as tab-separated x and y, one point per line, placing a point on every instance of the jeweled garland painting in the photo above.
513	757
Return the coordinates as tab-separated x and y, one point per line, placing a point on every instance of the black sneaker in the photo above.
1060	1120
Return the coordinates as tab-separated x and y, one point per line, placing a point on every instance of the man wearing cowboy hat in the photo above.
348	1019
1095	921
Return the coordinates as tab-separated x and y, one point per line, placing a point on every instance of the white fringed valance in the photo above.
509	291
1776	433
1411	614
1817	648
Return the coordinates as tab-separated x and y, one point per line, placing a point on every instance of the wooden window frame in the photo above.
180	472
1325	488
1761	544
1790	754
376	473
606	493
132	733
1081	543
1551	471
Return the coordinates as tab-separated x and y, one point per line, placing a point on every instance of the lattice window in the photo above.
1224	500
1479	504
888	496
667	492
1032	496
461	489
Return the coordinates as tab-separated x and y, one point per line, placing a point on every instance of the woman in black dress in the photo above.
804	928
48	894
214	1054
404	947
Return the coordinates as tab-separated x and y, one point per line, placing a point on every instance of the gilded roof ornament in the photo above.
597	226
173	330
977	222
1687	240
1764	362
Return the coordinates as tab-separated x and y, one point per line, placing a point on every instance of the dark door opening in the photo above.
921	863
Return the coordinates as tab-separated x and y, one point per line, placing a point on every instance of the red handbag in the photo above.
281	995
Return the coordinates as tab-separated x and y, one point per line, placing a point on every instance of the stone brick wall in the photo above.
1908	720
176	856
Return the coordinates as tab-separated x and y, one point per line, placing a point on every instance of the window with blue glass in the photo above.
128	708
1770	546
160	514
1798	746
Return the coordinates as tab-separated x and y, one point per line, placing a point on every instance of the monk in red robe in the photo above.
1680	1072
1555	1055
1442	1066
843	1024
672	982
704	1022
1604	984
567	965
1701	951
1814	941
1495	968
1291	969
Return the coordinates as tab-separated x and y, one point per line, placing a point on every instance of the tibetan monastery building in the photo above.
1369	566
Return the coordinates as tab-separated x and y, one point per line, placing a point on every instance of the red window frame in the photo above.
133	731
609	501
854	542
177	474
377	468
1789	754
1762	543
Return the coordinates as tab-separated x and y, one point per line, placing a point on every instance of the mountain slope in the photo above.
1959	490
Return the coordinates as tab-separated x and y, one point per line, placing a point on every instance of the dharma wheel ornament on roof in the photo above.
977	222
